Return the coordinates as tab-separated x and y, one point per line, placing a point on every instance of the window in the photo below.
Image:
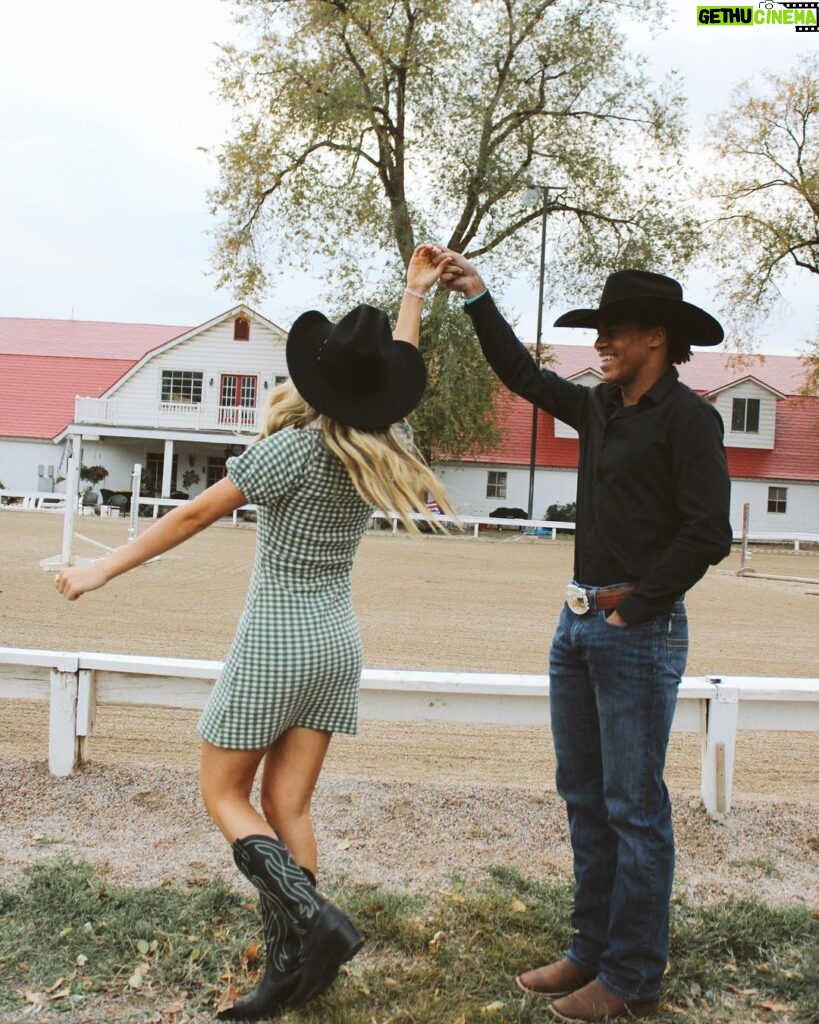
182	387
280	378
745	415
241	329
777	499
496	484
154	470
215	469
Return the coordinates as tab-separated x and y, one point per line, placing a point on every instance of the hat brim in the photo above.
697	326
400	389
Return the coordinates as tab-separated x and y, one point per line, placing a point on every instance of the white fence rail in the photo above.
56	501
715	708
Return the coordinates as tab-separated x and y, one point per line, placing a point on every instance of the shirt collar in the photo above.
655	394
660	388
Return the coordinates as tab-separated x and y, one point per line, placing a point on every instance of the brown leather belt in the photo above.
592	599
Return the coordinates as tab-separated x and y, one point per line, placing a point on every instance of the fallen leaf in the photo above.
59	994
343	845
457	897
518	907
56	985
435	941
81	960
778	1007
33	998
493	1007
227	998
251	954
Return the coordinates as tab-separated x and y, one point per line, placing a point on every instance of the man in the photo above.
652	515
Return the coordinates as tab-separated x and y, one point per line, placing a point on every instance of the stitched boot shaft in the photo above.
268	865
328	937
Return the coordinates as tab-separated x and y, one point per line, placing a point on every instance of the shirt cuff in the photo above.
468	302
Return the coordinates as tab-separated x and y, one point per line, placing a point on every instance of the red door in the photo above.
237	400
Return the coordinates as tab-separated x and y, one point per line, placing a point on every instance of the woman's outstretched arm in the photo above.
422	273
171	530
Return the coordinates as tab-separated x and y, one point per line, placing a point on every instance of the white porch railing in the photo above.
715	708
122	412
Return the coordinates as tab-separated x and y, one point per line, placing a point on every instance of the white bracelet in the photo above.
418	295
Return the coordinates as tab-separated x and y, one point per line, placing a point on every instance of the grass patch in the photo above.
68	935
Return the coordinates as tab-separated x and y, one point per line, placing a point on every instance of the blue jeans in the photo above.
613	691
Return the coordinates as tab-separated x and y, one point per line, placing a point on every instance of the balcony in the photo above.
123	412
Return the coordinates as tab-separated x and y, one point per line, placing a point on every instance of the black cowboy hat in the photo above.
353	371
639	293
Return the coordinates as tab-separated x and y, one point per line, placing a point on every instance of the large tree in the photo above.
768	190
364	126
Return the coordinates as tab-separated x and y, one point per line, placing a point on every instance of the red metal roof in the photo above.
45	364
82	338
794	457
37	393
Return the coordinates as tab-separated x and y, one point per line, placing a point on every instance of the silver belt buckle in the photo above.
577	599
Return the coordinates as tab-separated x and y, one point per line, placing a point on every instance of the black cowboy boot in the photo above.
282	968
328	936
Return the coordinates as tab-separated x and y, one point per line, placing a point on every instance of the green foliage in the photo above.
361	128
458	412
769	193
561	513
445	957
810	360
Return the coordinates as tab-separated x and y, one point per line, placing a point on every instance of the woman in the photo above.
333	448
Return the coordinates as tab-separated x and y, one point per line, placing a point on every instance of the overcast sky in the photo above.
104	107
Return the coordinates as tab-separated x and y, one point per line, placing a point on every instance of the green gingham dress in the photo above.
296	658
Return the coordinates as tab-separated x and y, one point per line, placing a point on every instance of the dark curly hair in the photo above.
679	348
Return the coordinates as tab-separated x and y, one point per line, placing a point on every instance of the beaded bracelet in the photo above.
418	295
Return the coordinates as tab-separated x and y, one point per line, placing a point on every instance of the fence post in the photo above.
745	555
86	712
62	724
718	748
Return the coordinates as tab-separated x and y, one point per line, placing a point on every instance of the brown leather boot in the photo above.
554	980
595	1003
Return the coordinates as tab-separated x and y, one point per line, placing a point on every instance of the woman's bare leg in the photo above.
291	769
225	781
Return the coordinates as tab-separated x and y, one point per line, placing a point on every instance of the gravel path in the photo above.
145	825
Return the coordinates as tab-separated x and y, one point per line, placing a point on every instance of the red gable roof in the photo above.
45	364
795	457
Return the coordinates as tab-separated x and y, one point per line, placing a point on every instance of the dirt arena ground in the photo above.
425	602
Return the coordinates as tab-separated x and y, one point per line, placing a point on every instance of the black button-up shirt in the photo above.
653	492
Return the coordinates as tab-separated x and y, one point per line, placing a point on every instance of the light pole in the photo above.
531	197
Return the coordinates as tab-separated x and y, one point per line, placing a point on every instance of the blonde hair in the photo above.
385	474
